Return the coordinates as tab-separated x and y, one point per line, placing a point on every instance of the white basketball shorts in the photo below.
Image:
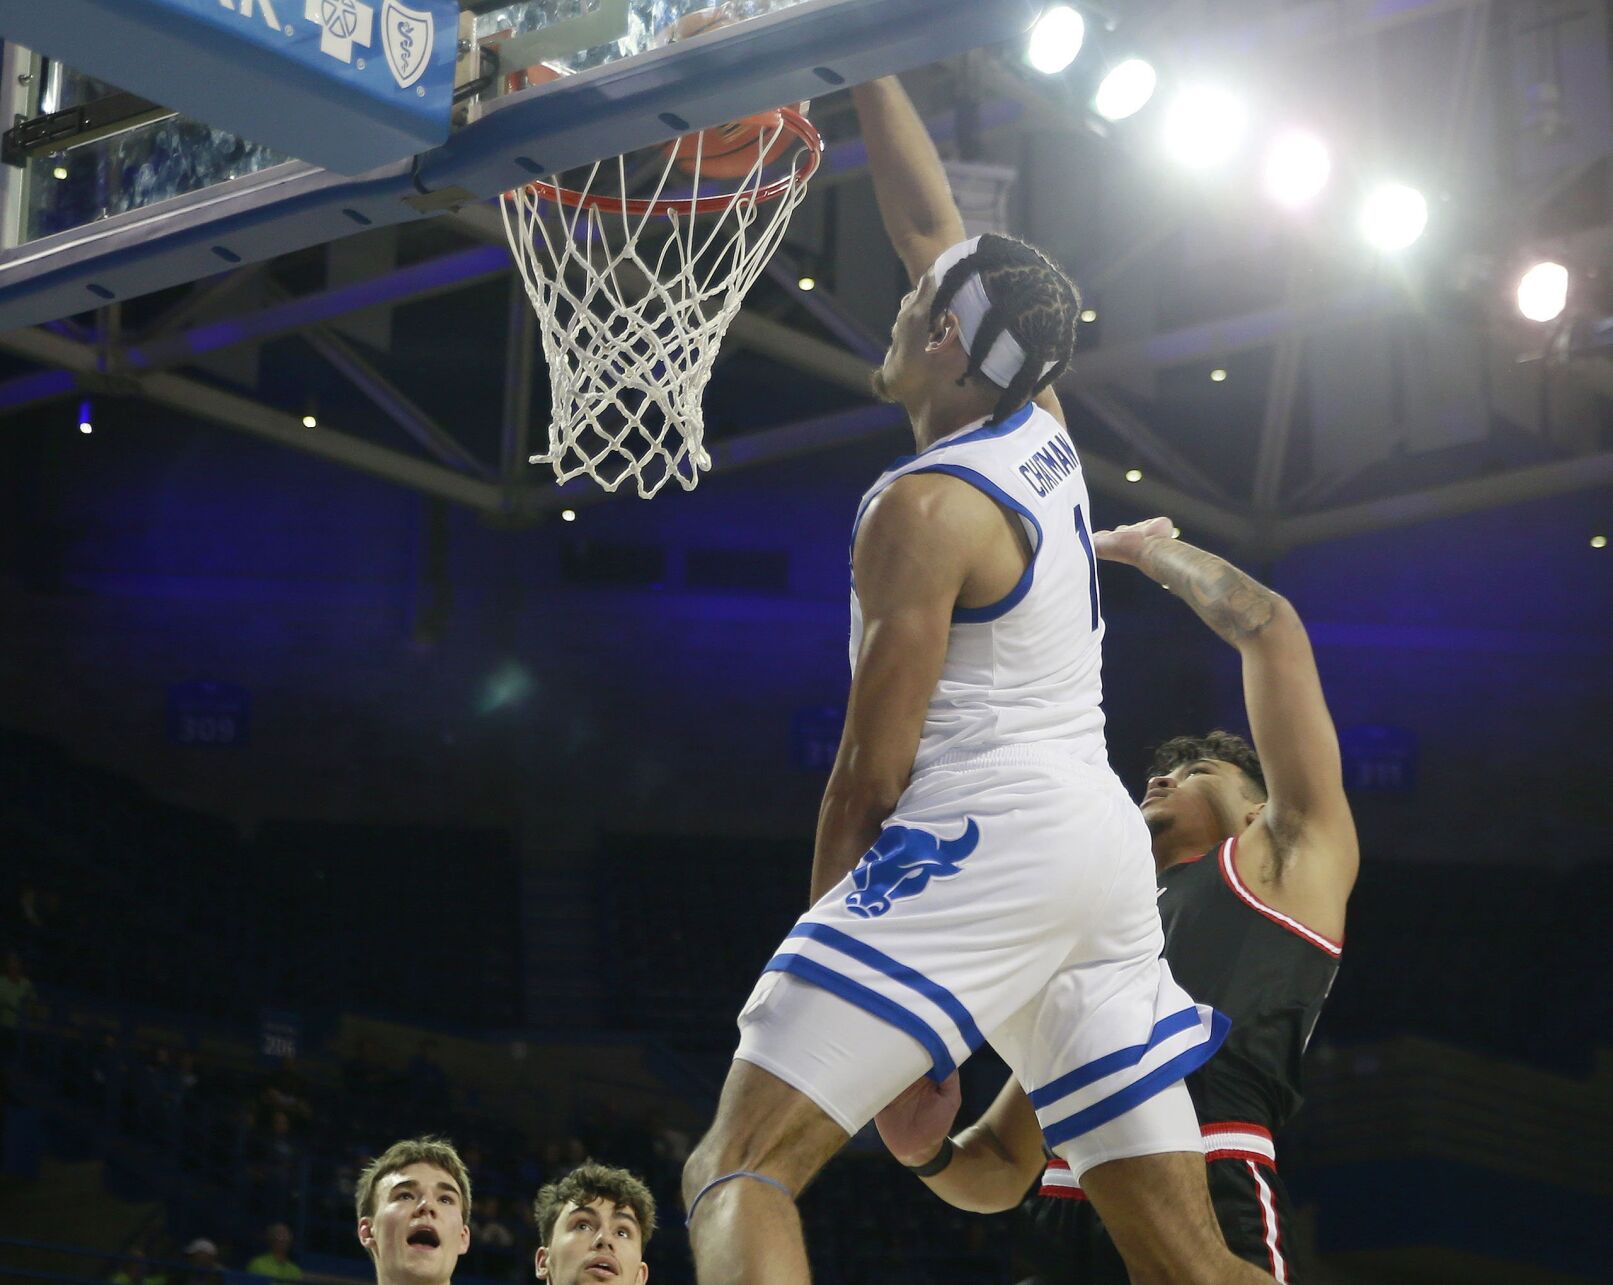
1010	898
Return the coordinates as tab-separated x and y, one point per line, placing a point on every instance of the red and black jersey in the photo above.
1270	974
1266	971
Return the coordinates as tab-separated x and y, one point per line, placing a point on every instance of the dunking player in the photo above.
1256	859
979	871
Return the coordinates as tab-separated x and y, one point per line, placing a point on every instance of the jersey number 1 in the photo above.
1092	562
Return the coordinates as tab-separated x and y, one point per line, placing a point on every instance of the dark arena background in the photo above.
365	784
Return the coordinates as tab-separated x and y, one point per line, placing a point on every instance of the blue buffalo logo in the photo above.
902	863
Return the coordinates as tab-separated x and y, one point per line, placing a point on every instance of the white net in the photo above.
633	298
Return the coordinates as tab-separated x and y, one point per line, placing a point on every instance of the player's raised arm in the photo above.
1307	815
915	200
914	551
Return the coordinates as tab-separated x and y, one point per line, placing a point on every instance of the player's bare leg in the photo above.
1157	1209
746	1231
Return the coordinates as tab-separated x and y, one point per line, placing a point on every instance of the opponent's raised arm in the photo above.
986	1168
1293	732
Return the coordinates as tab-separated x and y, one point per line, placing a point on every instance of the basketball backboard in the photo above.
157	202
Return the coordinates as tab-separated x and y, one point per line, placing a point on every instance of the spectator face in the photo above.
418	1230
279	1238
599	1241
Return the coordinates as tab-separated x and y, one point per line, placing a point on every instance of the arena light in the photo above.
806	283
1219	375
310	421
1055	40
85	422
1394	216
1125	91
1598	542
1089	315
568	515
1205	126
1543	291
1297	168
1134	475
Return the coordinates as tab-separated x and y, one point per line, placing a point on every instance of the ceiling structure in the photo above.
1358	393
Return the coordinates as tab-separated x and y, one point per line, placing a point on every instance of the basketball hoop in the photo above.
634	296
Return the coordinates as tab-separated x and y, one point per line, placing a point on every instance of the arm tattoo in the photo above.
1236	606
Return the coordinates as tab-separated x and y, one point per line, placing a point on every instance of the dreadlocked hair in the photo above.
1031	298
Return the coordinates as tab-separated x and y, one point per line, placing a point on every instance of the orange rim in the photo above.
805	166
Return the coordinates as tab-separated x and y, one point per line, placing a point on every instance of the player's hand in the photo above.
1125	543
916	1123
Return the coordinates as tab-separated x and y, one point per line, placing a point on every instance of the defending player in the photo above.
413	1204
1256	859
971	805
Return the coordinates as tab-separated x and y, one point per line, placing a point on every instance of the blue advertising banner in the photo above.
1379	757
208	714
815	737
348	85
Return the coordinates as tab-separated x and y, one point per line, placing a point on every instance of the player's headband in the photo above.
1006	358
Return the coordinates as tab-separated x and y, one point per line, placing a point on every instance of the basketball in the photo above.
725	151
729	151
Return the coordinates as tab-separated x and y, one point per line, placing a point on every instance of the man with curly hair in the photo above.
413	1204
1256	857
980	873
595	1224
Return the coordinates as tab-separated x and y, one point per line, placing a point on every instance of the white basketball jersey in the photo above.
1024	671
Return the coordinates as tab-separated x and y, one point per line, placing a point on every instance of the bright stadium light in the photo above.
85	422
1205	126
1055	40
1297	168
1394	216
1543	292
1125	91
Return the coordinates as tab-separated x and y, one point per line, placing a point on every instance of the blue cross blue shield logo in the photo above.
406	36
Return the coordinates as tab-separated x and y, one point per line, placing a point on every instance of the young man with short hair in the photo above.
596	1223
413	1203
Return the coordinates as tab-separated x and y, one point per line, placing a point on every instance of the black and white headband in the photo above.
1006	358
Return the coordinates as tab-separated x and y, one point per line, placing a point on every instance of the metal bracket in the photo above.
607	22
447	198
76	126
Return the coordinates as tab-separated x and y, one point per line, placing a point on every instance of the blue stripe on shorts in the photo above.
1109	1063
1139	1091
870	1001
897	971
